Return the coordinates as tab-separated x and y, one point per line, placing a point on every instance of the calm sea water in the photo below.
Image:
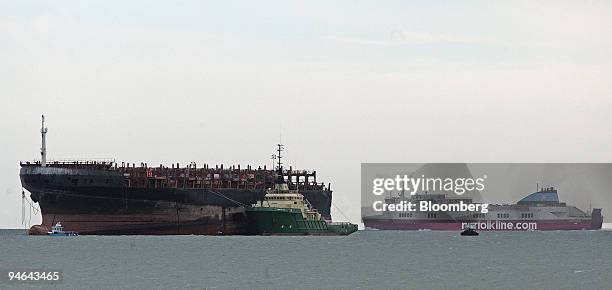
366	259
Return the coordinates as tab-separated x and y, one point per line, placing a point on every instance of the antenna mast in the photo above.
280	148
280	179
43	149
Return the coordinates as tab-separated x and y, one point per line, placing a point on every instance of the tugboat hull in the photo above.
289	221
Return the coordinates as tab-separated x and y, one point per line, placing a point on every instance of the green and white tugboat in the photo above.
287	212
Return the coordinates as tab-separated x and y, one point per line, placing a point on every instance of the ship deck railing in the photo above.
192	176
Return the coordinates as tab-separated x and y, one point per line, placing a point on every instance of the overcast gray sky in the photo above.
349	82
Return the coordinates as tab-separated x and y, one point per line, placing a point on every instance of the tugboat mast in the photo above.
280	148
43	149
280	179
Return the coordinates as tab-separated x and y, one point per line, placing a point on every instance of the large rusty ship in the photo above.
108	198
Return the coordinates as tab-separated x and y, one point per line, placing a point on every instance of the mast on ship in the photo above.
43	149
279	163
280	183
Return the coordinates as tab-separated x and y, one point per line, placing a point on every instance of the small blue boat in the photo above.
58	230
